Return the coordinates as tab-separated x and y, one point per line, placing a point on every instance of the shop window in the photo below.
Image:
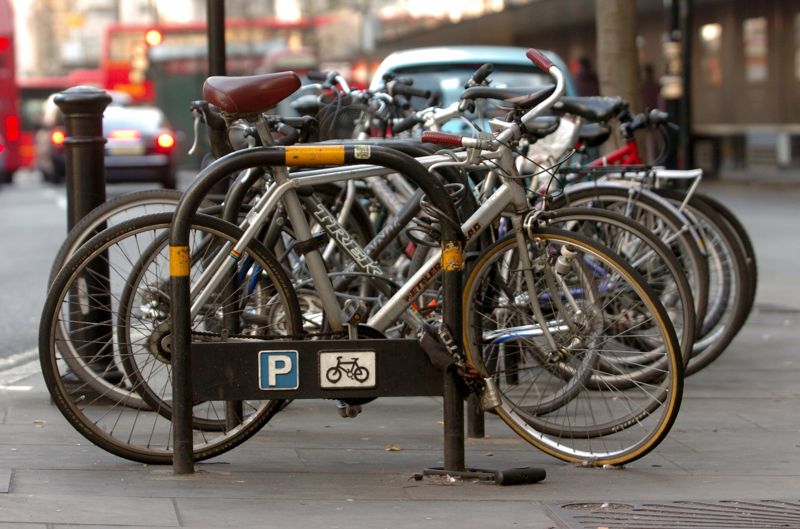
710	49
754	36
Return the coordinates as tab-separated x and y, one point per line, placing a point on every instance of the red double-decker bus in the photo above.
9	97
166	64
136	57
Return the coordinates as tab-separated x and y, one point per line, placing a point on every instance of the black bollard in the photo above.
83	108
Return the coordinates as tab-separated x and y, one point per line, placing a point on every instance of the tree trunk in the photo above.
617	56
618	61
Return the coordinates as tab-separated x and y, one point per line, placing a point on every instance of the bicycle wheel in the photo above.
743	239
94	280
248	299
647	254
660	218
597	310
729	285
111	213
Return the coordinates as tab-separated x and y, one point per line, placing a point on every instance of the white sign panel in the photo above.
345	369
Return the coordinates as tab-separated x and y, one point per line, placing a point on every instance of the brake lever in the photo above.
196	130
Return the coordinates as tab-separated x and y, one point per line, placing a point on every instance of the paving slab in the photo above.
82	510
357	514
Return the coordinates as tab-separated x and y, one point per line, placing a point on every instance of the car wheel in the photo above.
6	177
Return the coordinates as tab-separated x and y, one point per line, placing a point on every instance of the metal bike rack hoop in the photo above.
452	240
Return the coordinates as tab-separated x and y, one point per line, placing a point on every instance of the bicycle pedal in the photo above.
347	411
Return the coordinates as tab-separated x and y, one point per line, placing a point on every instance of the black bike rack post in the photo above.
84	146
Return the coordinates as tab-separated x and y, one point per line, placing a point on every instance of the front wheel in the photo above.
553	327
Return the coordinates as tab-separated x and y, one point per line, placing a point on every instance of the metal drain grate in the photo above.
712	514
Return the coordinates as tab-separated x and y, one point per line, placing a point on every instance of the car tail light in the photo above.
124	135
57	137
165	141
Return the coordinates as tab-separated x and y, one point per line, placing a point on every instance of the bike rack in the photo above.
232	358
306	155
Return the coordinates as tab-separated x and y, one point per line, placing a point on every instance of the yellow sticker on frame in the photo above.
308	155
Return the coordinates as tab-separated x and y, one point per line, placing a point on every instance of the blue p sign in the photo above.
278	370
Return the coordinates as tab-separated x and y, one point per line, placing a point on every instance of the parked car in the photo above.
446	69
140	144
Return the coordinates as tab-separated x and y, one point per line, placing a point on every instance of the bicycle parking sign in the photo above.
347	369
278	370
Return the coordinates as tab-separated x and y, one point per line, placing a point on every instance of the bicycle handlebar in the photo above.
453	140
441	138
402	125
480	75
398	88
539	59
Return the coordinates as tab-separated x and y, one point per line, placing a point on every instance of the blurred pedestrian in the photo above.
650	88
586	80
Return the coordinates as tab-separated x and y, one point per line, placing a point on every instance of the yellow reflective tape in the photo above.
308	155
179	261
452	257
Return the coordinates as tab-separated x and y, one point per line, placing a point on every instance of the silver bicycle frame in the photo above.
284	188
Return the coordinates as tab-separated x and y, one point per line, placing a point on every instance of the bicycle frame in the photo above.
284	187
628	154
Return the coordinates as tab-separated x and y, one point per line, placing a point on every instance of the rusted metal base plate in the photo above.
706	514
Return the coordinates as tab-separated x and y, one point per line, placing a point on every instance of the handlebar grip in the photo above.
539	59
482	73
441	138
317	76
402	125
657	116
409	91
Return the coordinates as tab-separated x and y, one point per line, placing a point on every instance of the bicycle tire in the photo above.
649	210
95	417
653	420
99	218
743	237
729	301
647	254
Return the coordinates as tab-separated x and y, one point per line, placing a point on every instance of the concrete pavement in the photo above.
737	438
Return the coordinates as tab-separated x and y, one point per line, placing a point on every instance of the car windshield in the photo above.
449	80
146	120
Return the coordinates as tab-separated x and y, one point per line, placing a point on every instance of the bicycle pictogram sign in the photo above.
347	369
